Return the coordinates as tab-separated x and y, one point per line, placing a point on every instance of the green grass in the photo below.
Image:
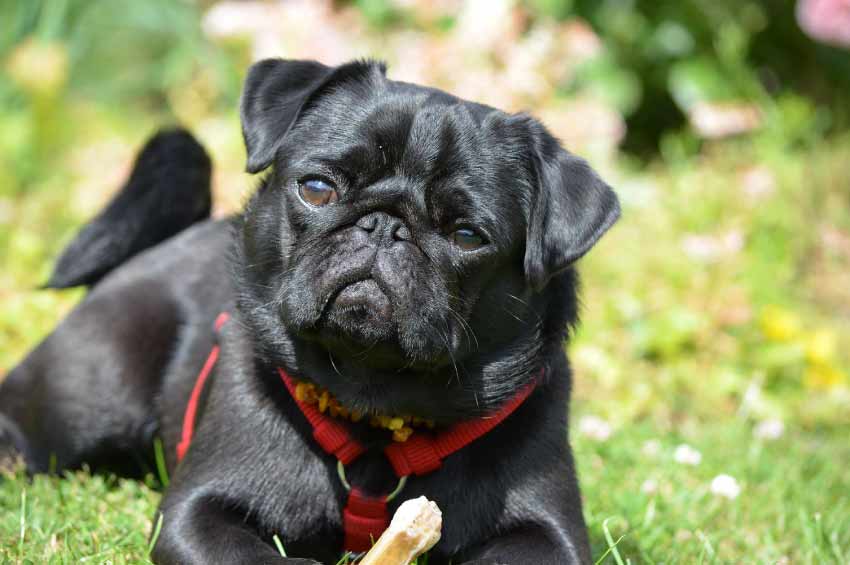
793	503
73	518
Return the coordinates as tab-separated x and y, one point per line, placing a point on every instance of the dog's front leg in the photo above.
529	545
200	530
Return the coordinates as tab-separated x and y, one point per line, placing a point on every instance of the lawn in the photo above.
711	406
792	507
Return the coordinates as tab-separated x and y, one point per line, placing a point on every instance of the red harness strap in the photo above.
192	406
330	434
364	517
422	454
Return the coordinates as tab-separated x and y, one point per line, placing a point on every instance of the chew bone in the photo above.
414	529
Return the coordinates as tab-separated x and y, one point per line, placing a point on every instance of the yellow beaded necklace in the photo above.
401	426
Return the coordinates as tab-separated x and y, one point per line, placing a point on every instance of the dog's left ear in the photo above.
571	210
277	91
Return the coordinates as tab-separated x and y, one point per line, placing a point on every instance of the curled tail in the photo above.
168	190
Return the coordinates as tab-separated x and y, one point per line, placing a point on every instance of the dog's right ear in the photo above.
277	90
274	92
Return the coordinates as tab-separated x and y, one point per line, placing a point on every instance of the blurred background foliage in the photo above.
721	298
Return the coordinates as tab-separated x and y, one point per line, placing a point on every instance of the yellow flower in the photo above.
779	324
821	346
335	409
822	376
402	434
39	67
304	392
400	426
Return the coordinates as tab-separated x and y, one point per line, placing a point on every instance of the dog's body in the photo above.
409	251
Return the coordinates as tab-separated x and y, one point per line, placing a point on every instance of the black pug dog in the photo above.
408	253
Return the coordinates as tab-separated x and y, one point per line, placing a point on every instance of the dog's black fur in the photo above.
179	170
367	296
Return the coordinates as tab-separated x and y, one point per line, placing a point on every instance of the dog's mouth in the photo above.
359	313
359	324
363	296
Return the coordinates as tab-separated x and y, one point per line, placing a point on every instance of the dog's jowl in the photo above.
388	312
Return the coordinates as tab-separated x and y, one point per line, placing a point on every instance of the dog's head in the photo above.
403	237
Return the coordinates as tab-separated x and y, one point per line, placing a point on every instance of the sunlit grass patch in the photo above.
789	500
76	517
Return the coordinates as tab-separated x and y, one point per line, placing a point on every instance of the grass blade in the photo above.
612	545
156	530
23	533
279	545
161	469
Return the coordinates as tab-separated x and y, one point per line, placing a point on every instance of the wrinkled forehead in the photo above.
431	138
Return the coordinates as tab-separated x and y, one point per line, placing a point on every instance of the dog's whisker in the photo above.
527	306
445	339
333	364
467	328
520	300
514	316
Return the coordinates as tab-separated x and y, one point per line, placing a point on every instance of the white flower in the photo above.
758	182
687	455
769	429
716	120
649	486
651	447
594	427
726	486
712	247
482	25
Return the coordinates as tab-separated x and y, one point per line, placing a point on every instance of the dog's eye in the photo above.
467	239
317	192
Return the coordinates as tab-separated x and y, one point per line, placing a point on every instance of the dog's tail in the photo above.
168	190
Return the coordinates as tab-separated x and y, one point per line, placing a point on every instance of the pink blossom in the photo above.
825	20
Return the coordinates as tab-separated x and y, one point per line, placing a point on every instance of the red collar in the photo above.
365	517
423	453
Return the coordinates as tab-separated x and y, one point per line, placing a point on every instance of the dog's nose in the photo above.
384	227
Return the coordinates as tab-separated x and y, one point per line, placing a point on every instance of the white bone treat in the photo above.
414	529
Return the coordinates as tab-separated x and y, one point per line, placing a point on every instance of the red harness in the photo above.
364	517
